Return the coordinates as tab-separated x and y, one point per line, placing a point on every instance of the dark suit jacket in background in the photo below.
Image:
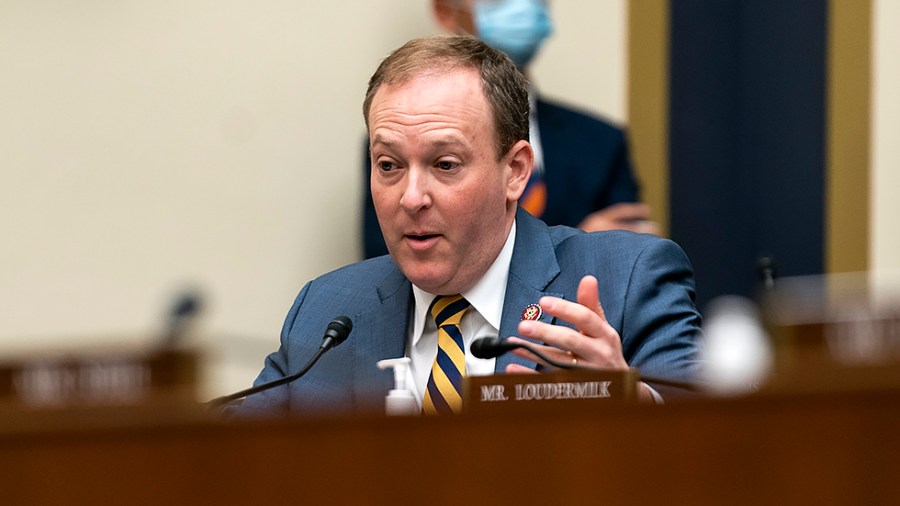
646	288
586	168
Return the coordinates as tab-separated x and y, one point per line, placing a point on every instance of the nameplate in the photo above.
528	392
833	332
99	379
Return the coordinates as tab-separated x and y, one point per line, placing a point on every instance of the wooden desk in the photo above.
837	448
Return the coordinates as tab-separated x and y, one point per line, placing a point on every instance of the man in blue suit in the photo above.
448	121
583	176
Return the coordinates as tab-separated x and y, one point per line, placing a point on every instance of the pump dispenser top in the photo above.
399	401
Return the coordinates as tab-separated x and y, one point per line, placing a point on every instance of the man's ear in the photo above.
520	162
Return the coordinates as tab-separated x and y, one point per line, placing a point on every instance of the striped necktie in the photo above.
444	391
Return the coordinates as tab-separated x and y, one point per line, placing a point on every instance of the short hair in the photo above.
504	86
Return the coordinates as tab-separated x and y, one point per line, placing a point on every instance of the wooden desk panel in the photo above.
837	448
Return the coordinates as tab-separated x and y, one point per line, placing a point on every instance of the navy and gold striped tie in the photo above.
444	392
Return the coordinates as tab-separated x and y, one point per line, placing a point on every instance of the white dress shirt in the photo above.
481	320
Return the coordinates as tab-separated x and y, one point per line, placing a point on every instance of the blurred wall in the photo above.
885	156
151	146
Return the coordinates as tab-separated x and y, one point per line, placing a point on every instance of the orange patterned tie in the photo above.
534	199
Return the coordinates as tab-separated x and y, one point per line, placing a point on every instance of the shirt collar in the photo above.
486	296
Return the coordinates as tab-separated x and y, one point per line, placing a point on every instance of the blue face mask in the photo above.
516	27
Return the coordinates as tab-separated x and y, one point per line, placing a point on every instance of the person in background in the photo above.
583	177
447	118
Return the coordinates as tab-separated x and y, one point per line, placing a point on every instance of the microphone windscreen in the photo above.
339	329
187	304
490	347
183	311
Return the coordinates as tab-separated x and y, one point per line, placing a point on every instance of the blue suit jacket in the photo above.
646	288
586	168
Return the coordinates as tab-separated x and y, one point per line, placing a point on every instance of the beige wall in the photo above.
585	63
885	226
146	146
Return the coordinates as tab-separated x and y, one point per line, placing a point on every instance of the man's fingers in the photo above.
555	335
550	352
519	369
589	295
592	342
627	211
642	227
586	314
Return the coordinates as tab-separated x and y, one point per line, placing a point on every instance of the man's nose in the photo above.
417	193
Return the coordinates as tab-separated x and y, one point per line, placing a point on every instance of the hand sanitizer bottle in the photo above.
399	401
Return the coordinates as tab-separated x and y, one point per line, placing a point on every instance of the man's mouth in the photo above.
421	237
421	240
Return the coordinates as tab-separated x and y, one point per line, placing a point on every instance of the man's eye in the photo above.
386	166
446	165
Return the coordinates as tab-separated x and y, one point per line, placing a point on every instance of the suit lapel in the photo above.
531	270
385	323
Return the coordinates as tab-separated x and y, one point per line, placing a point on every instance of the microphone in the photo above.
336	333
183	311
767	269
492	347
